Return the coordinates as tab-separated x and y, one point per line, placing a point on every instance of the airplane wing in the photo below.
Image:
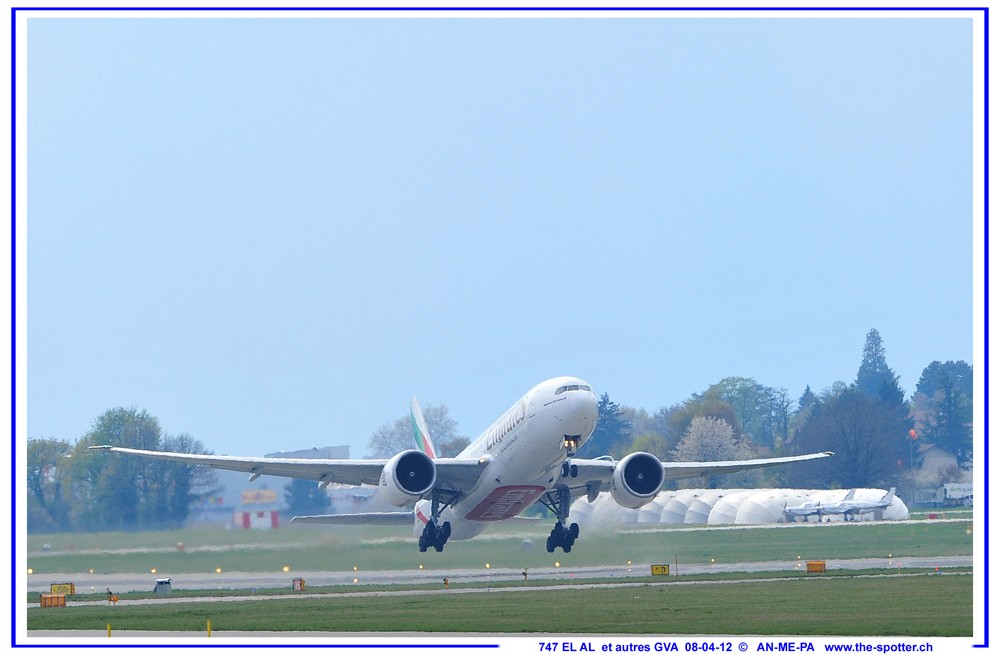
453	474
684	470
367	518
594	475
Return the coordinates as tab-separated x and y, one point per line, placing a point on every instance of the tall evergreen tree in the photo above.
305	498
874	371
949	374
806	400
613	429
945	394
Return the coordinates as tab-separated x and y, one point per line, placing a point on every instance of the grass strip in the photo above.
925	605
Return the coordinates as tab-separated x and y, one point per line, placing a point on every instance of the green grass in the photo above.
925	605
839	603
316	548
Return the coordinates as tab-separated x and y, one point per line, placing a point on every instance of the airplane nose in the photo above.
581	414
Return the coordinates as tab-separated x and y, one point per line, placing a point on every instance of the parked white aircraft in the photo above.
527	455
848	507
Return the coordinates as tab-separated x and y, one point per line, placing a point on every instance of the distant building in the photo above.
237	494
935	462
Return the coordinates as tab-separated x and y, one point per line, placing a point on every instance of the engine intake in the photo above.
636	480
407	477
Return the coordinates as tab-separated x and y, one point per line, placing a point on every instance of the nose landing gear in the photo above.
571	442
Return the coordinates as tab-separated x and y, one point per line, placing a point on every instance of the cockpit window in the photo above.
572	387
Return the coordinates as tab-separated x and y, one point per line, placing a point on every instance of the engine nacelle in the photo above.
406	477
636	480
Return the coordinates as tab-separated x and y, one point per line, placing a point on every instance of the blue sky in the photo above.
270	233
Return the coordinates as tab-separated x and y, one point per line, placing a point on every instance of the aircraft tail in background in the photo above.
421	435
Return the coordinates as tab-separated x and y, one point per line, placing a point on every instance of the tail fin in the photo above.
420	433
889	496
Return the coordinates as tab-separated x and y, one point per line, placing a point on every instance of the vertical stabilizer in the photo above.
420	433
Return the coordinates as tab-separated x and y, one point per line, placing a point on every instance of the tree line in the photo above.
876	433
869	424
73	488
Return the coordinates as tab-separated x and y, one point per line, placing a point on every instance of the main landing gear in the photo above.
435	534
562	537
558	501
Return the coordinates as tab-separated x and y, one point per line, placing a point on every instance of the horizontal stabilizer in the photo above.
370	518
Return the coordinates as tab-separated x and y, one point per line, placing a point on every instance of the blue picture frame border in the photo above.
984	498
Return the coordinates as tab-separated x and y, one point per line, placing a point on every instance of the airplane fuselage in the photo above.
523	452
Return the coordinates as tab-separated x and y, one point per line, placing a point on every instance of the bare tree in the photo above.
396	436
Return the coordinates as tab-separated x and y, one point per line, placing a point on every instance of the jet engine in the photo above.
636	480
406	477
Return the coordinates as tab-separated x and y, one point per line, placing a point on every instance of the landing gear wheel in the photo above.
561	537
436	534
442	536
558	500
429	537
433	535
569	536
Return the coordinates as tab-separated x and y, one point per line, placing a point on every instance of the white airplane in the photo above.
848	507
527	455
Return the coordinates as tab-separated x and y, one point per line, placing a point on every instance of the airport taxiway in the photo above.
121	583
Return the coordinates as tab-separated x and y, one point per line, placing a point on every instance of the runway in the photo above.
122	583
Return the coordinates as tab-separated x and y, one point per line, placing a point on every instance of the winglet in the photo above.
421	435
